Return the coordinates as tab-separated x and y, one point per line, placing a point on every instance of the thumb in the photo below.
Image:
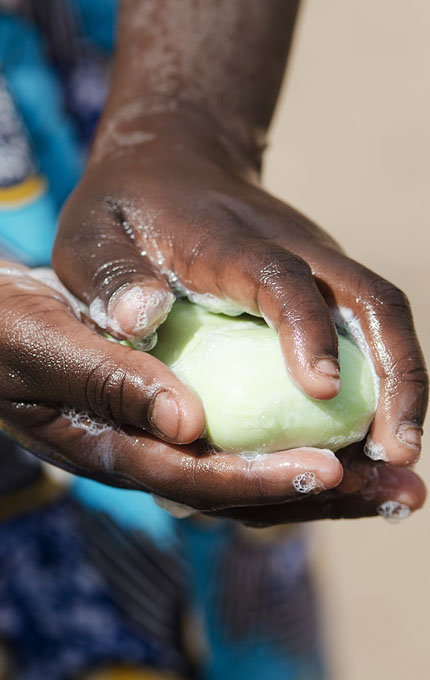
99	260
51	358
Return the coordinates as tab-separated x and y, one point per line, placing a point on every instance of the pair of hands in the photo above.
158	214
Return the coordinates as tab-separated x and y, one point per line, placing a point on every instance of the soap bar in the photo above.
251	404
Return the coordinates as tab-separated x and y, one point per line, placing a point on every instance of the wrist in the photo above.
164	124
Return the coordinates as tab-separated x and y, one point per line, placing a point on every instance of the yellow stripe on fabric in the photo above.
30	499
21	194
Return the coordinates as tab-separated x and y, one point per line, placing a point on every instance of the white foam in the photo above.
215	304
97	312
47	276
251	455
102	435
393	511
305	482
374	451
86	421
144	224
150	306
350	324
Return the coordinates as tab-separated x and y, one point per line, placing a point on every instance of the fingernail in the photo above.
374	451
305	482
411	436
136	310
393	511
327	367
164	416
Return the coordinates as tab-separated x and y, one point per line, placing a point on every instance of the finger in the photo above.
202	481
60	361
391	493
264	279
121	456
97	258
387	324
207	480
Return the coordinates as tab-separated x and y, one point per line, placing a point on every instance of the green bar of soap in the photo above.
236	367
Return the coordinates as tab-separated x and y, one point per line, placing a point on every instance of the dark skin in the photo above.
49	358
171	194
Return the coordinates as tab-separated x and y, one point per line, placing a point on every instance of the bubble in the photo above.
128	230
374	451
350	325
252	455
48	277
149	308
145	344
86	421
393	511
214	304
97	313
305	482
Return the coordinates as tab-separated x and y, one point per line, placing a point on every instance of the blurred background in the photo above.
350	147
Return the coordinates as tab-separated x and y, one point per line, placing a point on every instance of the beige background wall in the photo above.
351	148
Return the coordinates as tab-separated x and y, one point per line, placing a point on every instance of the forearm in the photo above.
221	61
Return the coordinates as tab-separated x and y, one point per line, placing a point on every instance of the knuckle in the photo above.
184	482
281	265
414	372
382	291
281	277
104	390
112	274
407	374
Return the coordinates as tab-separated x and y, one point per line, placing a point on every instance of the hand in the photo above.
367	489
93	408
166	200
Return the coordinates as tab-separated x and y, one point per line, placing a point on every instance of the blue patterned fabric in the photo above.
256	604
56	613
38	96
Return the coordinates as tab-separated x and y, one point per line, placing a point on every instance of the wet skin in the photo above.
171	195
51	363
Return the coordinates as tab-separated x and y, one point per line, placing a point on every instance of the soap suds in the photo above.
98	313
101	447
305	482
349	323
250	456
374	451
150	308
85	421
49	278
393	511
